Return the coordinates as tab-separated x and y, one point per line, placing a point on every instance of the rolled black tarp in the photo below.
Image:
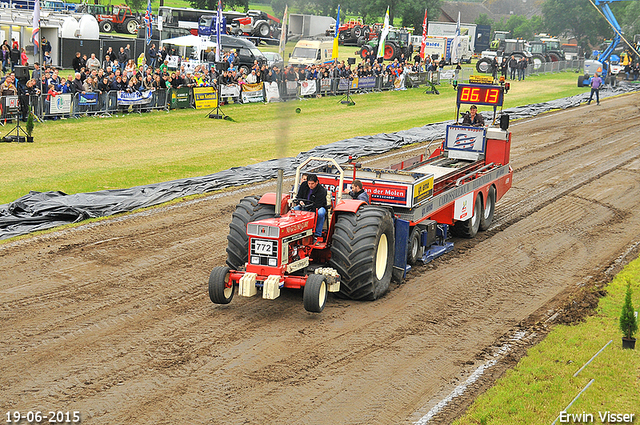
44	210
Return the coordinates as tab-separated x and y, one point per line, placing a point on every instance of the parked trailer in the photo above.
414	207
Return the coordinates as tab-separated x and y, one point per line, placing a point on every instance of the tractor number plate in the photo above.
263	247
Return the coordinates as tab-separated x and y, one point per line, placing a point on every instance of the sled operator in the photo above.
473	118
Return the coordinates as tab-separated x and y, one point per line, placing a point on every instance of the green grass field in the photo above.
92	154
542	384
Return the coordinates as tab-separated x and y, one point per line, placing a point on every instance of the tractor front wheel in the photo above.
362	251
106	26
315	293
220	289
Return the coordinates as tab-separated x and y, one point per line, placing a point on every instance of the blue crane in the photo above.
600	63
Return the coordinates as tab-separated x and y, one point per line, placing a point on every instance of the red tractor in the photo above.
271	246
351	33
121	19
414	206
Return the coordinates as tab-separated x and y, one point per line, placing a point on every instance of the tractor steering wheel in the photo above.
305	202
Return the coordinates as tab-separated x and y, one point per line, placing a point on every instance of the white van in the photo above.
311	52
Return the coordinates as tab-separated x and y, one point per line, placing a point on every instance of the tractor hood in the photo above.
280	227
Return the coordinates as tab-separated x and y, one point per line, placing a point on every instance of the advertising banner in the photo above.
271	91
343	84
417	78
205	97
60	104
230	90
307	87
463	207
292	88
423	190
465	138
252	93
381	191
87	99
325	84
135	98
180	97
366	82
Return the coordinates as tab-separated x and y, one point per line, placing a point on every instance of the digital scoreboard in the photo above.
480	94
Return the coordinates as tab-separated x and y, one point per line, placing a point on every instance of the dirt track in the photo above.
113	319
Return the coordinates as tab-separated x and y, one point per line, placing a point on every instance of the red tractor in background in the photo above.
121	19
351	33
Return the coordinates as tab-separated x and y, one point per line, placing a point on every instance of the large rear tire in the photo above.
220	292
554	57
390	51
469	228
314	296
362	251
356	31
537	61
489	208
247	210
130	26
484	65
263	30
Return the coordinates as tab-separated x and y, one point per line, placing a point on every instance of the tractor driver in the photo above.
472	118
316	196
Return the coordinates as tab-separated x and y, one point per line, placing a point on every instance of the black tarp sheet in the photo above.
44	210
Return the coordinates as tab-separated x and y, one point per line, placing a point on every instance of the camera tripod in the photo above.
216	113
9	137
346	99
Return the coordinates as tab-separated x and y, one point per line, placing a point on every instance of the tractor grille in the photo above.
256	229
264	252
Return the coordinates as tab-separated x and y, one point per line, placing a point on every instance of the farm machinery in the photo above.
396	44
601	62
415	206
121	19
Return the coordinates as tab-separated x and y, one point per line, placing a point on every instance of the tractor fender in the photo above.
348	205
270	199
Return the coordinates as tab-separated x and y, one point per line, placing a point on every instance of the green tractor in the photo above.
396	44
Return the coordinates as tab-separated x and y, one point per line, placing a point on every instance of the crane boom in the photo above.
600	64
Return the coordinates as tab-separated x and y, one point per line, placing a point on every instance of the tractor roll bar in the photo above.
329	160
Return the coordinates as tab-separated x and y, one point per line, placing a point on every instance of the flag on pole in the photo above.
283	33
148	21
35	34
336	34
455	43
383	36
424	35
218	31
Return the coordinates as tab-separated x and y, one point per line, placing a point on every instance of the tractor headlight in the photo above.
273	262
255	260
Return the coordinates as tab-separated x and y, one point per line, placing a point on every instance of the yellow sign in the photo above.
205	97
481	79
423	190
